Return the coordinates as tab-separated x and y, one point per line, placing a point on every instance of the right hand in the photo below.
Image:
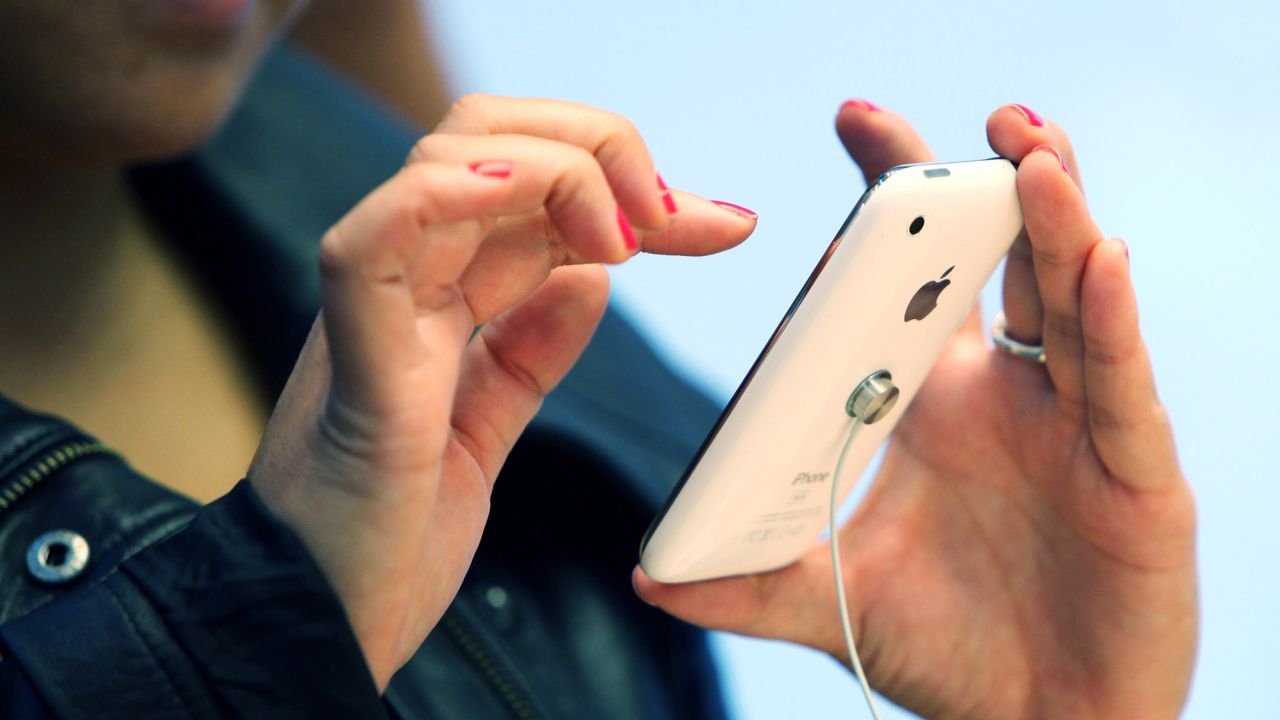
383	449
1027	548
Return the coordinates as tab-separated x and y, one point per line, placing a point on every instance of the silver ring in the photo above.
1011	346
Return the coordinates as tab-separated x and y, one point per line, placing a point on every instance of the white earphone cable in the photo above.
833	530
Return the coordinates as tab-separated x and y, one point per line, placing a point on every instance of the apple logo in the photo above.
926	298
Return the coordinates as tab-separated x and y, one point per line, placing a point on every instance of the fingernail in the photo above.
860	104
1031	115
1124	245
1054	150
492	168
628	235
667	201
737	209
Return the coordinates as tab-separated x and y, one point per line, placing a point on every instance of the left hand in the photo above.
1027	548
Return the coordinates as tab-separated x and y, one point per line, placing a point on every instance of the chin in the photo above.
125	81
180	114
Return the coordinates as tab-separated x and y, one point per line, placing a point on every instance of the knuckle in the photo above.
468	108
579	159
334	254
621	126
1061	140
470	102
1161	417
1054	256
519	374
1105	418
576	168
1107	354
427	148
415	202
557	253
620	135
1110	352
1065	328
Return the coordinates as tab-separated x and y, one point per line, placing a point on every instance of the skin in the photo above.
75	76
128	327
971	550
386	443
126	345
1037	557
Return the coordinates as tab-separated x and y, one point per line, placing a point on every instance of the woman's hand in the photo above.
385	444
1027	548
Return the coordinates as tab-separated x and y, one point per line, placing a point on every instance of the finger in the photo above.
705	227
878	139
369	308
520	356
564	179
520	251
1062	235
611	138
1020	294
1126	420
1014	130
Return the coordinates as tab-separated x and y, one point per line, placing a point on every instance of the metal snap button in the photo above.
496	596
58	556
498	601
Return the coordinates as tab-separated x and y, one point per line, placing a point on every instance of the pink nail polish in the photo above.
1032	116
492	168
628	235
737	209
667	201
1054	150
860	104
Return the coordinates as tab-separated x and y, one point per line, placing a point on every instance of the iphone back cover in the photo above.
895	284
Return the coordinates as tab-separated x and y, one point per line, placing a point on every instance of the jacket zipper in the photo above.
475	652
49	463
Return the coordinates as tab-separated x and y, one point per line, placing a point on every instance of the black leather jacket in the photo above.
181	611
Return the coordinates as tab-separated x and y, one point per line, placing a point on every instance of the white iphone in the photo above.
895	284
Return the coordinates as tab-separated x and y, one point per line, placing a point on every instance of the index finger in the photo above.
611	138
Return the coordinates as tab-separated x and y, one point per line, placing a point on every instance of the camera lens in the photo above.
917	225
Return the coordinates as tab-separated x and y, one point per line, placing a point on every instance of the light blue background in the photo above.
1173	110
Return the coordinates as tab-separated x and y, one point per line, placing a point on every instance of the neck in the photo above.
99	325
42	204
63	266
